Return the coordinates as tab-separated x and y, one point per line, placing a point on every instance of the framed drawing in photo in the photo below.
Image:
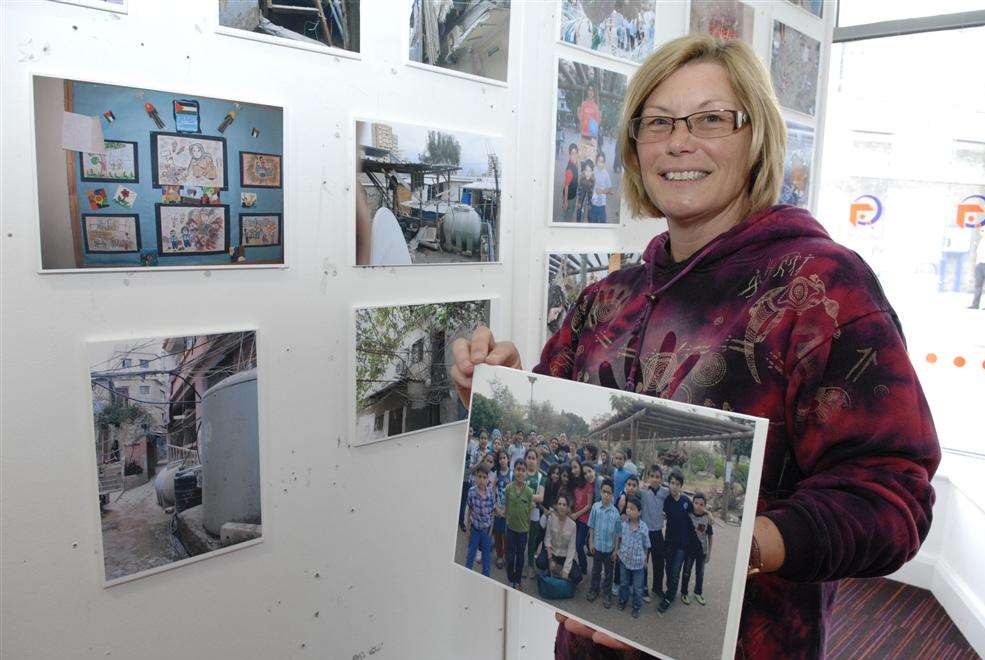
118	164
181	159
191	229
258	170
111	233
260	229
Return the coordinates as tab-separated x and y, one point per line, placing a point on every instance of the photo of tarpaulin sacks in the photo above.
629	513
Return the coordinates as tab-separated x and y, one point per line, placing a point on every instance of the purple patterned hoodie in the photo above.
774	319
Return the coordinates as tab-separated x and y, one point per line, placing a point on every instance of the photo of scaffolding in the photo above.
177	449
569	273
592	500
426	195
468	36
333	23
620	28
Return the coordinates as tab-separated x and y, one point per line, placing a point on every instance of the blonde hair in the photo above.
751	84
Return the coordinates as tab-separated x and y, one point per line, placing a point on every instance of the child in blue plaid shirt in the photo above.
481	503
633	550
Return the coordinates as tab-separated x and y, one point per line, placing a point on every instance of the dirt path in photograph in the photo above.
684	632
136	533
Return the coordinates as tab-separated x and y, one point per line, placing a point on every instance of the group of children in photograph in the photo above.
544	506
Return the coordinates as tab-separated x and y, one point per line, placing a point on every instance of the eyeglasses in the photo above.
705	124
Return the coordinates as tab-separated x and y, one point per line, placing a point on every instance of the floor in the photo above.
879	618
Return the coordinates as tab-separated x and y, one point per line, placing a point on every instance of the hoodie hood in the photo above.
779	222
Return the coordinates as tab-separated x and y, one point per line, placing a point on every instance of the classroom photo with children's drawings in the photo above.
613	508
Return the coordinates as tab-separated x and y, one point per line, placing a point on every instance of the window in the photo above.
145	389
395	418
144	364
903	184
126	363
417	352
858	12
378	422
122	390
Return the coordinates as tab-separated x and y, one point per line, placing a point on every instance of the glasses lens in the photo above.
715	123
652	129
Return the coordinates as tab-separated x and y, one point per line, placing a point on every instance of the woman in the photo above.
552	488
753	308
583	497
557	554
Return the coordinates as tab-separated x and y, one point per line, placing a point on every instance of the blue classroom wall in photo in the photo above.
133	123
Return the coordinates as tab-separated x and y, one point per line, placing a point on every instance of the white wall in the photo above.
949	563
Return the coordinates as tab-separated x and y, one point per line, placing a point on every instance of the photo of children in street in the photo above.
621	28
618	509
586	165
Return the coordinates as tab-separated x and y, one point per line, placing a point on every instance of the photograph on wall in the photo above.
259	170
109	233
176	448
426	195
724	19
259	229
403	355
797	165
794	68
311	24
192	229
587	168
585	549
815	7
119	163
189	161
147	162
569	273
620	28
468	36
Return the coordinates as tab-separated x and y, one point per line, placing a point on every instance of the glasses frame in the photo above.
740	119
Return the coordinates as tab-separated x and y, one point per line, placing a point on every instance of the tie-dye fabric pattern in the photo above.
774	319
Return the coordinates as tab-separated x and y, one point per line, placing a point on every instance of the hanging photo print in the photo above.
426	195
589	543
403	354
468	36
183	160
259	170
119	163
309	25
797	165
621	28
569	273
723	19
187	170
794	68
189	229
177	441
111	233
259	229
587	171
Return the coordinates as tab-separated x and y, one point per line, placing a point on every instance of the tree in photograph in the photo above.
385	350
441	149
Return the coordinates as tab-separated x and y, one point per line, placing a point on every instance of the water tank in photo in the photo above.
229	448
462	226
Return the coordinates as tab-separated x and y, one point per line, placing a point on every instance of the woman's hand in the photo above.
481	349
600	638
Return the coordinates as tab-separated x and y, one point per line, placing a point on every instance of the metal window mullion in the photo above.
905	26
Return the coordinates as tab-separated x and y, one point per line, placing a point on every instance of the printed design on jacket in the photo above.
798	295
607	305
